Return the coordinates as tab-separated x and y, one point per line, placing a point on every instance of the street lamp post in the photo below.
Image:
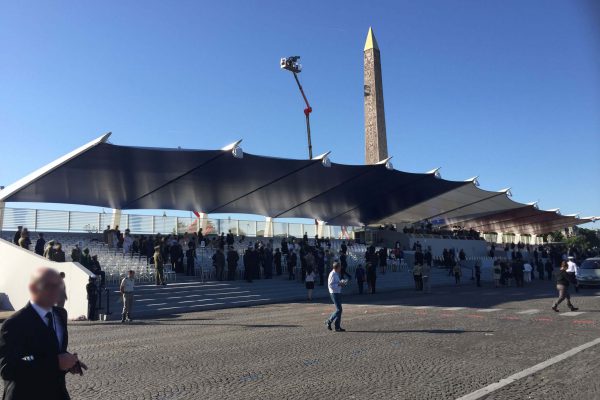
291	64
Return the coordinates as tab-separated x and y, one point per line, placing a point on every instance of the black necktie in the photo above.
51	327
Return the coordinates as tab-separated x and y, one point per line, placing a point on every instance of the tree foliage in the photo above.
584	239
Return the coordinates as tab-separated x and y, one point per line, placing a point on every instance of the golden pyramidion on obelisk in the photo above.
371	42
375	135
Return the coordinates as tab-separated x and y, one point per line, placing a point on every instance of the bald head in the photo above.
44	287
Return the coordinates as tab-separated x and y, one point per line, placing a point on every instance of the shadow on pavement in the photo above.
441	331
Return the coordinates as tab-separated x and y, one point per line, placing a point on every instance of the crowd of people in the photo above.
53	251
427	228
312	259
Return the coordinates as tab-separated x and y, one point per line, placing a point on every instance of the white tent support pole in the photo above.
320	228
116	219
203	221
268	227
2	209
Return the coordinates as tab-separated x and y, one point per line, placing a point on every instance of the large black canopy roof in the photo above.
228	181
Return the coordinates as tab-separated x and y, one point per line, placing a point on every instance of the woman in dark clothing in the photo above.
563	281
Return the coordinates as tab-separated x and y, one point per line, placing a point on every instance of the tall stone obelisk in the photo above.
375	136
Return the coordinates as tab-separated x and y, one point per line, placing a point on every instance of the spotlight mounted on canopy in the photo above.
474	180
235	149
388	164
324	159
435	172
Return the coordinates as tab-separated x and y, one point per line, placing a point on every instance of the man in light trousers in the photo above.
425	276
126	288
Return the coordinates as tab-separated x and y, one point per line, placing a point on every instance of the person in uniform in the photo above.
268	262
232	261
85	259
383	255
457	273
106	234
477	269
126	288
17	235
49	250
359	274
417	276
59	254
76	254
540	269
277	261
159	266
549	269
250	263
219	263
40	244
190	259
92	298
292	262
62	299
96	269
24	241
425	275
497	273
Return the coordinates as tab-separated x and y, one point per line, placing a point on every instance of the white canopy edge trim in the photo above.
322	156
232	146
435	172
474	180
46	169
384	161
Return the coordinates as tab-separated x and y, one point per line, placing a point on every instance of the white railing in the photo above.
38	220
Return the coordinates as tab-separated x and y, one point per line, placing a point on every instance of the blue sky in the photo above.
507	90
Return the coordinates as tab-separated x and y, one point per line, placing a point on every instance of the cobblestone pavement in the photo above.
399	345
188	294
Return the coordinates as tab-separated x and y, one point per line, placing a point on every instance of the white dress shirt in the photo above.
333	282
572	267
58	328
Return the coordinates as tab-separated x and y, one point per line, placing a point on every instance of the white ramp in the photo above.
16	267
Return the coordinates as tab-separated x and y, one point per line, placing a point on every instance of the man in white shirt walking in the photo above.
126	288
335	285
572	271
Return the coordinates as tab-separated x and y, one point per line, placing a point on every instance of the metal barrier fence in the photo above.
37	220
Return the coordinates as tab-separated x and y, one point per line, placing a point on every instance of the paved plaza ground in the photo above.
398	345
188	294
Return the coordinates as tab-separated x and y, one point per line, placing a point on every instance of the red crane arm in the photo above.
308	108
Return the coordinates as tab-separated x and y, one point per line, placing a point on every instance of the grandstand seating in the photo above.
115	264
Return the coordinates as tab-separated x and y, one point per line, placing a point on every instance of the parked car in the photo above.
588	272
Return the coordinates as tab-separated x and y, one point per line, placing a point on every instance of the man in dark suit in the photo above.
33	344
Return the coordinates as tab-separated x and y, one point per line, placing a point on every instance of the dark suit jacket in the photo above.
22	335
